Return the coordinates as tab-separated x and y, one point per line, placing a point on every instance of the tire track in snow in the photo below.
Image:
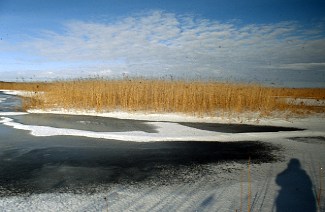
136	203
189	197
176	195
261	194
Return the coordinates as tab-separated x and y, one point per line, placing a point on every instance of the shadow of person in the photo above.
296	189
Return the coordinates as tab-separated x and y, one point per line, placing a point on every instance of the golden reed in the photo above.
193	97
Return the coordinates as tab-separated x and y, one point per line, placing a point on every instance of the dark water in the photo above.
11	104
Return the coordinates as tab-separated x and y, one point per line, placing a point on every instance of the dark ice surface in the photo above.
238	128
88	123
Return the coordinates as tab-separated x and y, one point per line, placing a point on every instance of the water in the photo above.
9	103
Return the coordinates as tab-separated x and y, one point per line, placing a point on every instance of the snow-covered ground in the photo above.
217	186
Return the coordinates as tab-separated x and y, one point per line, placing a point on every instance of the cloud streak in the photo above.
302	66
158	43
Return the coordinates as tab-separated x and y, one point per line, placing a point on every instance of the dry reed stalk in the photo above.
198	98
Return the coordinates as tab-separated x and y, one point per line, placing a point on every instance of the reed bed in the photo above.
191	97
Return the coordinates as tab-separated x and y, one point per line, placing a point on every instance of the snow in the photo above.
2	99
18	93
130	199
12	113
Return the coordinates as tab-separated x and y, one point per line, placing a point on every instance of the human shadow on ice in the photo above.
296	189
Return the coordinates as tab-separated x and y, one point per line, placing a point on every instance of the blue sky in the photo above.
274	41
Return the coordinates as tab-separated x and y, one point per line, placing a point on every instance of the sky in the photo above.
272	42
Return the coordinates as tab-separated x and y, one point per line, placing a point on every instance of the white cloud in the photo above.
159	42
302	66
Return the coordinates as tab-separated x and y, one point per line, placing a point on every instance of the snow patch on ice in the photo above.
12	113
16	92
167	131
2	99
